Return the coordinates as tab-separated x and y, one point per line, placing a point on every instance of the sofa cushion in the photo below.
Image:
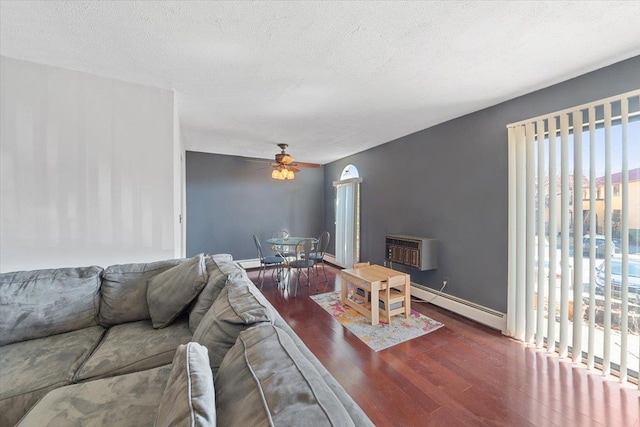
124	291
31	368
170	292
133	347
222	257
215	284
125	400
238	306
40	303
265	380
189	398
357	414
228	267
219	268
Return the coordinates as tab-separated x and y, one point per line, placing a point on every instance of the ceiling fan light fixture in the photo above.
282	174
285	166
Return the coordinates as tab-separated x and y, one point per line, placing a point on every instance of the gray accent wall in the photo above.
450	182
230	198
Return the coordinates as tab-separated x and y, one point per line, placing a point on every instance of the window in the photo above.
570	295
347	232
349	171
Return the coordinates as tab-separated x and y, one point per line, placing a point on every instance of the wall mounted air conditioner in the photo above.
416	252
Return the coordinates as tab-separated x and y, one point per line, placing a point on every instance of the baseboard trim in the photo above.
331	259
249	264
478	313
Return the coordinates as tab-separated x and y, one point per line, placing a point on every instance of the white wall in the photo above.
87	172
178	187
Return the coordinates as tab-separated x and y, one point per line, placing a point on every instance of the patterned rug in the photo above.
383	335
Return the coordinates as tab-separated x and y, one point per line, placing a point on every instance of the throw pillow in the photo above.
123	293
218	269
215	283
189	397
238	306
170	292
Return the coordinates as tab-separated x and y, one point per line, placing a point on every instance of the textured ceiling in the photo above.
328	78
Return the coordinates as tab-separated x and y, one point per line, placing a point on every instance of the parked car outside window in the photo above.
599	242
616	277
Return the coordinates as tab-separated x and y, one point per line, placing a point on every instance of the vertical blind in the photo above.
574	233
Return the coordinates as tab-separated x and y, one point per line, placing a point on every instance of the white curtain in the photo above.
347	221
574	226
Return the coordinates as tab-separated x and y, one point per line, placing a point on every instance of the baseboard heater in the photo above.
249	264
331	259
478	313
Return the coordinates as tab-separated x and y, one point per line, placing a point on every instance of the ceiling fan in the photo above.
285	166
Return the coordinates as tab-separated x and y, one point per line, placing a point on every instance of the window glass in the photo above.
349	171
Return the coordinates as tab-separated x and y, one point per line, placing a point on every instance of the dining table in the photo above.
282	246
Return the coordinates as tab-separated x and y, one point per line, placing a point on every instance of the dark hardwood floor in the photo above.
463	374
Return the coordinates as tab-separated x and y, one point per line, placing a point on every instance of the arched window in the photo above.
349	171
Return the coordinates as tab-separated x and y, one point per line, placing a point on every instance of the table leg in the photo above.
283	278
375	299
343	291
407	297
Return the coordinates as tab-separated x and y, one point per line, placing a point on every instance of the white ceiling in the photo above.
328	78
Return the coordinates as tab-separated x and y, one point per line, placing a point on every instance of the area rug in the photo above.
383	335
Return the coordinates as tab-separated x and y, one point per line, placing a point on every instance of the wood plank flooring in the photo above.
463	374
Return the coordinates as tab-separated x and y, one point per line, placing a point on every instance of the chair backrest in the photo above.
304	248
323	242
361	264
282	234
258	246
397	281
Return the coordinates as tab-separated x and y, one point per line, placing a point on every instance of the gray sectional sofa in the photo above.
90	346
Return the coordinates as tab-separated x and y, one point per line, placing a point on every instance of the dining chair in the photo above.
278	249
393	300
303	261
268	261
318	255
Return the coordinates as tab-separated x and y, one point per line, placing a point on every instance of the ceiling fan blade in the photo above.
258	160
293	168
308	165
287	159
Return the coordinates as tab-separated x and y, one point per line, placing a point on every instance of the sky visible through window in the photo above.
633	150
